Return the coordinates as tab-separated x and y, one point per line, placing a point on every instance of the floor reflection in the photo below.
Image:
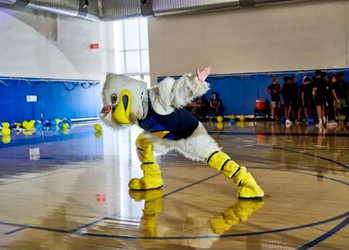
203	236
70	191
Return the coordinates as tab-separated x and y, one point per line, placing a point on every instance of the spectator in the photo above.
306	98
215	105
319	93
274	91
289	92
331	82
294	97
341	93
199	107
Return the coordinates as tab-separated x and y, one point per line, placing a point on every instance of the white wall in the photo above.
44	45
278	38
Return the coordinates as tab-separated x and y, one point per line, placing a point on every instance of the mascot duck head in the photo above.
122	100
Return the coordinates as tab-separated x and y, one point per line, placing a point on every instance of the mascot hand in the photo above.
203	74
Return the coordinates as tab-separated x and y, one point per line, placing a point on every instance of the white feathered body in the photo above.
165	97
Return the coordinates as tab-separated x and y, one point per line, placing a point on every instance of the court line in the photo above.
223	236
346	214
283	149
327	235
305	153
235	235
87	225
337	227
185	187
23	226
15	230
276	134
315	242
76	230
303	173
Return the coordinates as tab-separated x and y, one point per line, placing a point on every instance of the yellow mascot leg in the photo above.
248	188
151	171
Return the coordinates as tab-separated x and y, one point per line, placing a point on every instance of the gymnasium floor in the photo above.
70	191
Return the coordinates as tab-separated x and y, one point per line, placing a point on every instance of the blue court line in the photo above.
321	157
15	230
23	227
327	235
324	177
276	134
303	173
305	153
85	226
346	214
185	187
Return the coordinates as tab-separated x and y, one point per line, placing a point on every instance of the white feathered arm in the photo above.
179	93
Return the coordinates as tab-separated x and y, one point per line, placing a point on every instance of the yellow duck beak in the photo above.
121	114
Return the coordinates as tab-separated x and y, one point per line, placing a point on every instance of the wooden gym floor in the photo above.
70	192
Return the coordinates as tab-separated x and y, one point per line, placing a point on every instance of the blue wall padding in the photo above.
239	92
54	100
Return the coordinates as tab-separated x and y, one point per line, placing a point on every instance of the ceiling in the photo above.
110	10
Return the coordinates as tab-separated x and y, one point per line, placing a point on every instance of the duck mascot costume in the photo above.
168	126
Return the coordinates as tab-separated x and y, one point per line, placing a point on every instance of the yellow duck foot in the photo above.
249	189
252	192
145	184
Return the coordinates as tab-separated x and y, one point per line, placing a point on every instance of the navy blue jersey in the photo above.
290	92
274	90
179	124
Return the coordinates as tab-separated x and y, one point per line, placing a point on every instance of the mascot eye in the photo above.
114	98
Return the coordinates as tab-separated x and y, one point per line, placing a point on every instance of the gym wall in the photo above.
55	99
299	36
291	37
42	45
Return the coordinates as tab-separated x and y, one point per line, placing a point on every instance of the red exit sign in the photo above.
94	46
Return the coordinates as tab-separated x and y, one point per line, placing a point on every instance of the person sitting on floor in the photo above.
215	105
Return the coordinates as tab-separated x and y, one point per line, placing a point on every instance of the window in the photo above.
132	48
